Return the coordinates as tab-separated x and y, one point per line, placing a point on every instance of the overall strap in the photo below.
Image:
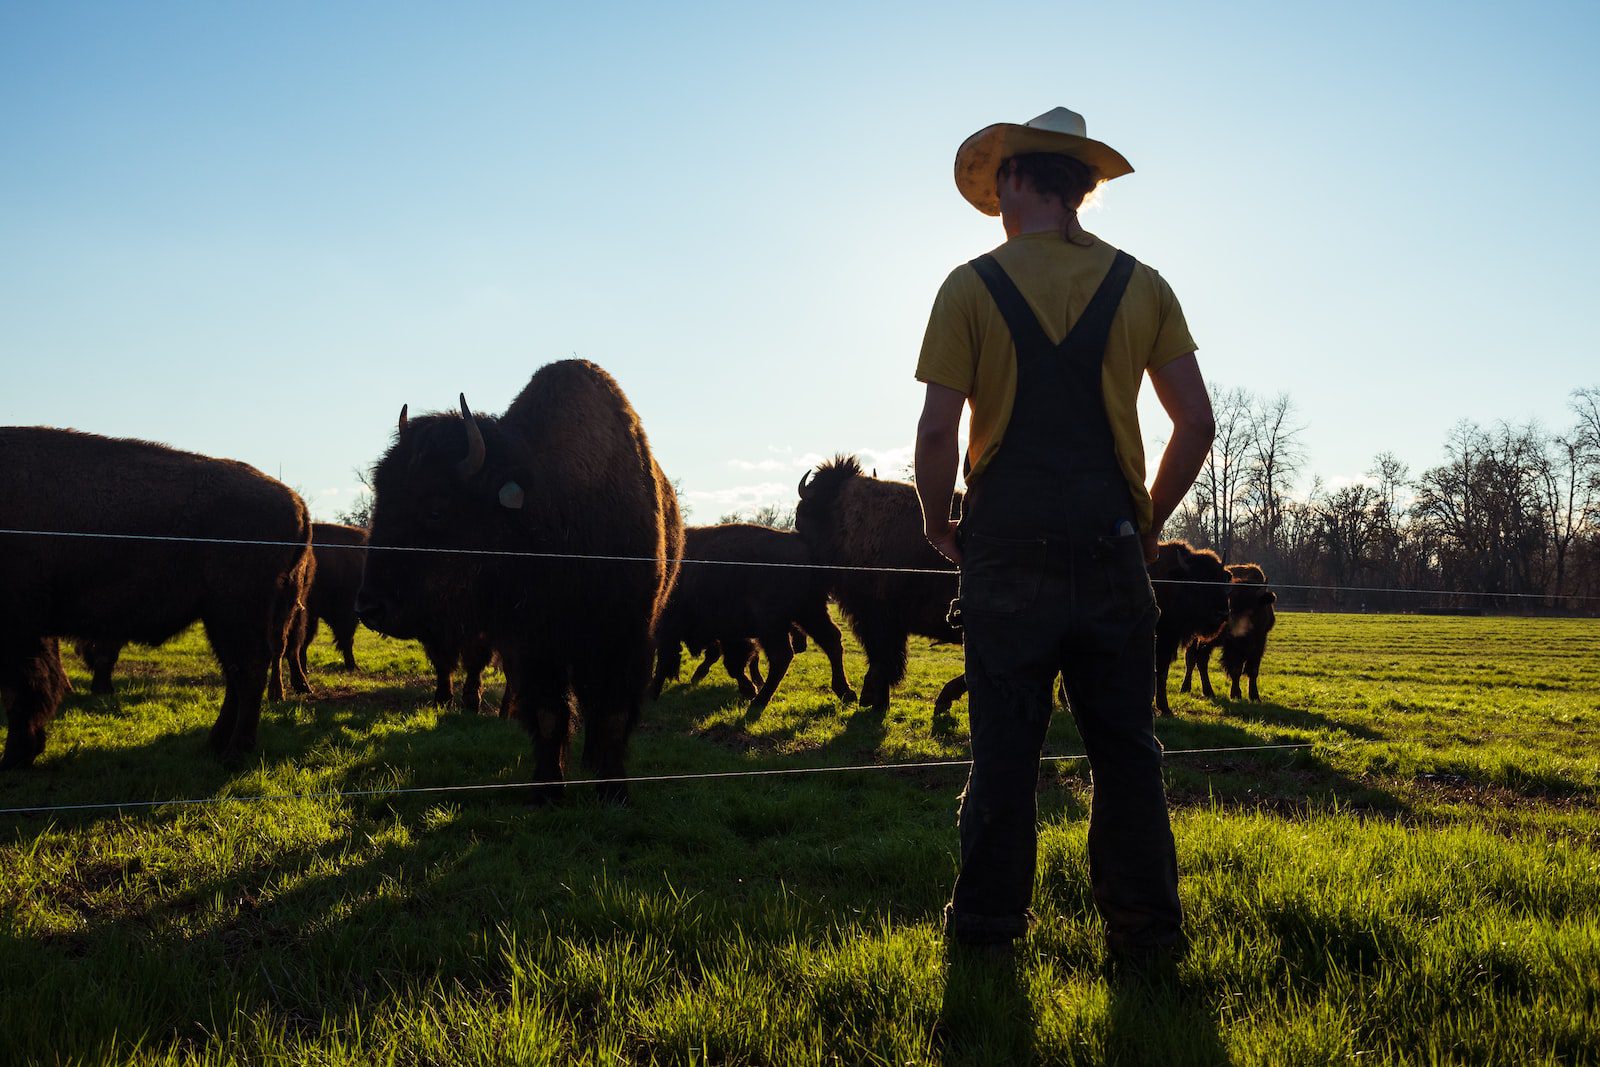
1094	325
1026	333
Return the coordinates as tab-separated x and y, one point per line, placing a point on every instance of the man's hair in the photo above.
1050	174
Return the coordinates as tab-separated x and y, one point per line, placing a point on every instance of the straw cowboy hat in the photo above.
1058	130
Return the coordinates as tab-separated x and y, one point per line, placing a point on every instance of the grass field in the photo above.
1420	886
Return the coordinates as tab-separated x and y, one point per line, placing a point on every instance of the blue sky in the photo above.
256	231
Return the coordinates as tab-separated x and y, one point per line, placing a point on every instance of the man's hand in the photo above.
1152	546
943	538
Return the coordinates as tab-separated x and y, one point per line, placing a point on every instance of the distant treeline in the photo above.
1512	511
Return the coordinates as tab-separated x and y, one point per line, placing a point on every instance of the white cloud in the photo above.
888	462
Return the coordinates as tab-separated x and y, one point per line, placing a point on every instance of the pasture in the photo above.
1420	886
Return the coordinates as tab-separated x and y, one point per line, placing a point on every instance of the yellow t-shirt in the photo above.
968	348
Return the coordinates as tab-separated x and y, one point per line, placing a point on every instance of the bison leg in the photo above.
608	695
713	654
248	657
544	708
669	664
953	690
885	646
779	655
295	640
474	658
797	639
1166	652
1203	654
101	659
736	656
234	732
32	684
1254	667
827	636
443	657
344	636
303	646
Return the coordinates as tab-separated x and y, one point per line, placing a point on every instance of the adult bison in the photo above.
565	472
717	601
125	571
340	553
1243	639
1192	591
851	520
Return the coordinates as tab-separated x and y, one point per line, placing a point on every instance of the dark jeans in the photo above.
1083	608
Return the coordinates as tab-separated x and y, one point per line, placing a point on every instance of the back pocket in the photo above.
1000	576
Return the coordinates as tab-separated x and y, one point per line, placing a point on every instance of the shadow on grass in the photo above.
985	1016
1271	714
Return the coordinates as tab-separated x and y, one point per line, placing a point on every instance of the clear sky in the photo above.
256	230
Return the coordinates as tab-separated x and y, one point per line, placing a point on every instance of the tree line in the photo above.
1512	511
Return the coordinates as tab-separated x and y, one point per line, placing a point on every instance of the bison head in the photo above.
448	490
1250	602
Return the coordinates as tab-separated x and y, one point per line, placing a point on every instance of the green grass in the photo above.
1420	886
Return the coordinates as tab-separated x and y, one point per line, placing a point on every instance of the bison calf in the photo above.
1243	639
340	553
718	602
1192	591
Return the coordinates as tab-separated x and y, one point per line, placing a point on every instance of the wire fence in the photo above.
940	572
944	572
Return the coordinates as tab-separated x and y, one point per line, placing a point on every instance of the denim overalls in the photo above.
1053	580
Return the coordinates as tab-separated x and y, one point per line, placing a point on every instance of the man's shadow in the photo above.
1153	1016
985	1017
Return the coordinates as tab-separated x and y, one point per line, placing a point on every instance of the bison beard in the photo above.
567	469
109	591
715	604
851	520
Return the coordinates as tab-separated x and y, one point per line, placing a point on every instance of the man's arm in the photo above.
1183	395
938	457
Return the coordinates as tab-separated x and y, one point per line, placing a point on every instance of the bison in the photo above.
340	552
718	602
851	520
1192	592
740	658
1243	640
481	521
126	570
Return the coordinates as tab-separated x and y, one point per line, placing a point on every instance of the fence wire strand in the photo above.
701	776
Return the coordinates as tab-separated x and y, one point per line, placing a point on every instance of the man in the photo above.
1048	338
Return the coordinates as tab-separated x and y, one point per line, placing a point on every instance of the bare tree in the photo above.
1219	492
359	513
779	518
1275	459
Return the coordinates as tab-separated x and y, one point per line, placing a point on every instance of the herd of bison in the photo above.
546	539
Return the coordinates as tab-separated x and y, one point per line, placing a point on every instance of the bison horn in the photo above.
805	484
403	417
473	462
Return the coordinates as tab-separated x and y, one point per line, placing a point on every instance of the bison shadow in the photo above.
1272	714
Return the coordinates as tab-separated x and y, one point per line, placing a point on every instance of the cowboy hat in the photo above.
1057	131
